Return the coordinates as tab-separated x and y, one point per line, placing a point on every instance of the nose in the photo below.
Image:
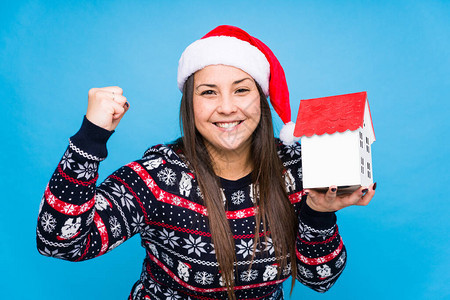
227	105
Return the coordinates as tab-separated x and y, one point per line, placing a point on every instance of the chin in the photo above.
230	144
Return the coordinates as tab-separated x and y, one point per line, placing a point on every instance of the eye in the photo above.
208	92
242	90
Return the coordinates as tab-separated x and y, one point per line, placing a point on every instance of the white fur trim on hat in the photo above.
224	50
287	134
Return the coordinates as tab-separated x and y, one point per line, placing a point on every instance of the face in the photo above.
226	107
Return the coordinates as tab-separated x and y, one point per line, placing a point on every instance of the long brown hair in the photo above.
273	201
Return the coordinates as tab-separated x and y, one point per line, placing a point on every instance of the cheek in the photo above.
254	110
201	113
197	110
257	112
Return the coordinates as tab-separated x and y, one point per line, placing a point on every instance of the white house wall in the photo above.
331	160
368	123
367	132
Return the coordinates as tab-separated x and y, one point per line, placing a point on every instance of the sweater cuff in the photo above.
92	139
316	219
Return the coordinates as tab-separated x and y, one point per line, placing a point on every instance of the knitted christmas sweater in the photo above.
158	197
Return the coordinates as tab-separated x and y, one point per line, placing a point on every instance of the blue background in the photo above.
52	52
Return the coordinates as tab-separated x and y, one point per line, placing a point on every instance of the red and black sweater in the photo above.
158	197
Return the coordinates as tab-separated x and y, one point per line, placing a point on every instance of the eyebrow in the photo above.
239	81
214	86
206	84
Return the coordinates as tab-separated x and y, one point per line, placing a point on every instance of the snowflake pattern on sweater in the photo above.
158	197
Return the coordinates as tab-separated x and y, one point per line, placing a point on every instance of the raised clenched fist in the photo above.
106	106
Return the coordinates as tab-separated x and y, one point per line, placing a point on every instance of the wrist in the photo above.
92	139
317	208
315	218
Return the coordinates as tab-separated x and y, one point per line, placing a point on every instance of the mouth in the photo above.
228	125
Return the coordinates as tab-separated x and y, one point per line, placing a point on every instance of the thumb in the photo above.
118	116
122	110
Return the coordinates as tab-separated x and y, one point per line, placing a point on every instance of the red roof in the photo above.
330	114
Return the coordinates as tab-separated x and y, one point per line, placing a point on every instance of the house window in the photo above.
369	174
368	166
361	140
362	169
367	145
362	165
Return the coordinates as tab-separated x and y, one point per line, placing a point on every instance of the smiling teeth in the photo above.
227	125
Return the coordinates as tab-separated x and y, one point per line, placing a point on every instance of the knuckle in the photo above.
92	91
120	99
119	90
119	108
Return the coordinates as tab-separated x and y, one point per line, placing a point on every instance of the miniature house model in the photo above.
336	136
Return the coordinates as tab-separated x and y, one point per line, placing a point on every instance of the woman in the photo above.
221	211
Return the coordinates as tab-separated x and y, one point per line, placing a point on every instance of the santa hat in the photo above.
232	46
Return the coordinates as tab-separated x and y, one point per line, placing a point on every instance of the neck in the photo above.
231	165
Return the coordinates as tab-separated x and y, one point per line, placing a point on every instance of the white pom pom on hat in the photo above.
287	134
232	46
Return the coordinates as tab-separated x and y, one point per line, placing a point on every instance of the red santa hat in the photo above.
232	46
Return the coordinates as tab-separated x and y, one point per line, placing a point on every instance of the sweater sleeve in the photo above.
79	220
321	254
